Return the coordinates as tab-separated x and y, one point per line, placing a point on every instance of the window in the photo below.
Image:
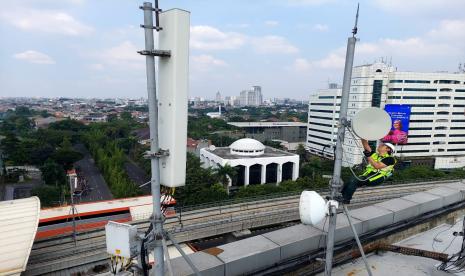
395	97
445	89
443	105
378	71
456	150
319	137
323	104
442	113
457	128
421	121
321	110
458	113
458	121
418	98
456	135
376	94
419	143
420	128
460	90
319	130
422	113
456	142
325	97
459	98
320	124
421	89
439	135
442	120
417	81
319	117
459	105
396	81
441	128
395	89
447	81
407	151
444	97
419	136
422	105
316	143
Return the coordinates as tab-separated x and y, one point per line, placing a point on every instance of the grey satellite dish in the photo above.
212	147
371	123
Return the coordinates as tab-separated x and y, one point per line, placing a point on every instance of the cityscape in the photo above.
232	144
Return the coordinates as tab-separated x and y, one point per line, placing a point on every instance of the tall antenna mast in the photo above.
336	182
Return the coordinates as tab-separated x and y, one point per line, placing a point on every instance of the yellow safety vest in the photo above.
378	173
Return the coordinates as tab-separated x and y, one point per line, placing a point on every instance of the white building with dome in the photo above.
255	162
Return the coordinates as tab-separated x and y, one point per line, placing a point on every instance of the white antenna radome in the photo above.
312	208
371	123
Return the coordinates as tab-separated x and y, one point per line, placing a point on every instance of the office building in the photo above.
251	97
437	122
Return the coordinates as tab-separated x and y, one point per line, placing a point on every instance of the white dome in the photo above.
247	146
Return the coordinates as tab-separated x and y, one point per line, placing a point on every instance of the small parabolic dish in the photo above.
371	123
312	208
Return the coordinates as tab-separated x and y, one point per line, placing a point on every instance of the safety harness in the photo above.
375	174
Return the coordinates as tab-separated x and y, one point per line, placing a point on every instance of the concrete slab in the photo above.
427	202
449	195
248	255
297	239
207	264
456	185
402	209
343	230
373	217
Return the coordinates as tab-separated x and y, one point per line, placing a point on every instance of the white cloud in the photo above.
421	7
308	2
123	56
47	21
34	57
332	61
449	30
97	66
321	27
301	65
206	63
210	38
271	23
273	44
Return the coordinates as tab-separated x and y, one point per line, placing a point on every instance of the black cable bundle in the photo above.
456	263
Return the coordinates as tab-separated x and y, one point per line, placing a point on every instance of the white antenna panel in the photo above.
371	123
312	208
173	86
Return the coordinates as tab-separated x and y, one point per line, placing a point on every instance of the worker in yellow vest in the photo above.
380	167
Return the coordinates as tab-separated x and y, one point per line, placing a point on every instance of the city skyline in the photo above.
81	48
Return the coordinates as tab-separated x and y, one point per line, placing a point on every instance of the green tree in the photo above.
225	174
53	174
49	195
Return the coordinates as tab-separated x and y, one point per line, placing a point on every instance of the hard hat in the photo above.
391	146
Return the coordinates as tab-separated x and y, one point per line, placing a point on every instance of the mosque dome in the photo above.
247	147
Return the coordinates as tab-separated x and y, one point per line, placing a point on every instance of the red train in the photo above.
93	215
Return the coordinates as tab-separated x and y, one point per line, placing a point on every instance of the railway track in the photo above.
60	254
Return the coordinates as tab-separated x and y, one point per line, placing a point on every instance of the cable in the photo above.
434	239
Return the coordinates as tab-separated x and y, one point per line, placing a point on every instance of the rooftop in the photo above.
225	153
268	124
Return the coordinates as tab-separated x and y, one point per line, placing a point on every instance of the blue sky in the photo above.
87	48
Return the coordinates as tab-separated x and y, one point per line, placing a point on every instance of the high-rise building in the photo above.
251	97
437	122
218	97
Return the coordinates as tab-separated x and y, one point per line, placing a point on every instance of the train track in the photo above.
60	254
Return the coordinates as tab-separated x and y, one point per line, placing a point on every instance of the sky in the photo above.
87	48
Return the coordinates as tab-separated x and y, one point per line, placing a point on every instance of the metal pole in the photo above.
72	210
153	124
336	181
360	248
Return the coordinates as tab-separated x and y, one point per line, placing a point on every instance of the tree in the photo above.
49	195
225	174
302	152
53	174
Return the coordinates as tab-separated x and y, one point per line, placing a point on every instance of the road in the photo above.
98	188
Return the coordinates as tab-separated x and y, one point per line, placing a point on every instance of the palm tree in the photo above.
225	174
